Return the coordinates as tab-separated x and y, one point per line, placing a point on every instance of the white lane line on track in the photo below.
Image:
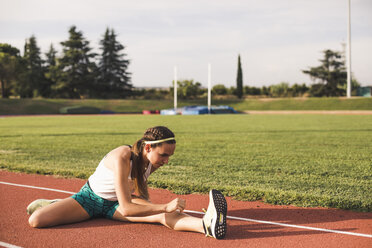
229	217
35	187
3	244
289	225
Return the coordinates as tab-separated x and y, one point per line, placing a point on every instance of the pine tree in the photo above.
32	82
330	75
9	68
113	77
51	56
76	71
51	70
239	80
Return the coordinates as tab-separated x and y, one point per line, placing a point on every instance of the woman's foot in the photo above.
39	203
214	220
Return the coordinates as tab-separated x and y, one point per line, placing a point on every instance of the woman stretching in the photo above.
118	190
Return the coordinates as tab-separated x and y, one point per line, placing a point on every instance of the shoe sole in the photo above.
218	226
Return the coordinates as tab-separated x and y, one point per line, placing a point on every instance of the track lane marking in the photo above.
3	244
229	217
35	187
290	225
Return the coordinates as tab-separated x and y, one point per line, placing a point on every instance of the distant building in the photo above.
365	91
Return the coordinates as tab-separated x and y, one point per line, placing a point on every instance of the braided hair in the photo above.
138	168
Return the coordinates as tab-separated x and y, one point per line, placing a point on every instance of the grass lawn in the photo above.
305	160
52	106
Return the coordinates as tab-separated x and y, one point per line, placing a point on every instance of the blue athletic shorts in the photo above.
95	205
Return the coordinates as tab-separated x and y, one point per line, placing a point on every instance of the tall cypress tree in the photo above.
32	82
76	77
113	76
239	80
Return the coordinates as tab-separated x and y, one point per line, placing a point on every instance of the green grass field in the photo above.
304	160
52	106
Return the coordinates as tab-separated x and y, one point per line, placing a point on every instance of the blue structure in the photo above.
195	110
198	110
170	111
365	91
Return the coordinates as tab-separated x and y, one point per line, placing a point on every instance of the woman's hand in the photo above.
176	204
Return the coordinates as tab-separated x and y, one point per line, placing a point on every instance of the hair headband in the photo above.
158	141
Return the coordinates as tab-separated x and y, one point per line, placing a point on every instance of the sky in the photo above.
276	39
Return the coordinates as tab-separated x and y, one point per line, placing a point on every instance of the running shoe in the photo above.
214	220
39	203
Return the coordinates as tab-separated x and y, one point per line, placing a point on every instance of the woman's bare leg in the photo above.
176	220
62	212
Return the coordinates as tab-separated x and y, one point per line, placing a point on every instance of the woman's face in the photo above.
159	155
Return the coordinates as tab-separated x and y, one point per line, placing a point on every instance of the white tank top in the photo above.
102	181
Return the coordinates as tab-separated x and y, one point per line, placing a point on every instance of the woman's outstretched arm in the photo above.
120	160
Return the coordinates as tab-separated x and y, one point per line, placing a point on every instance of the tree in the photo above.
279	90
265	91
51	69
330	76
76	71
239	80
32	82
113	77
187	89
232	91
219	89
255	91
299	90
9	65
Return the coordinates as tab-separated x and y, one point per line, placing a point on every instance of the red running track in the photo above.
14	228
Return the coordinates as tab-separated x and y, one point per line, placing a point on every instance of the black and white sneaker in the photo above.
214	220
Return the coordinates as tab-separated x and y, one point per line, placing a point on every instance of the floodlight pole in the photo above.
209	88
348	91
175	87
